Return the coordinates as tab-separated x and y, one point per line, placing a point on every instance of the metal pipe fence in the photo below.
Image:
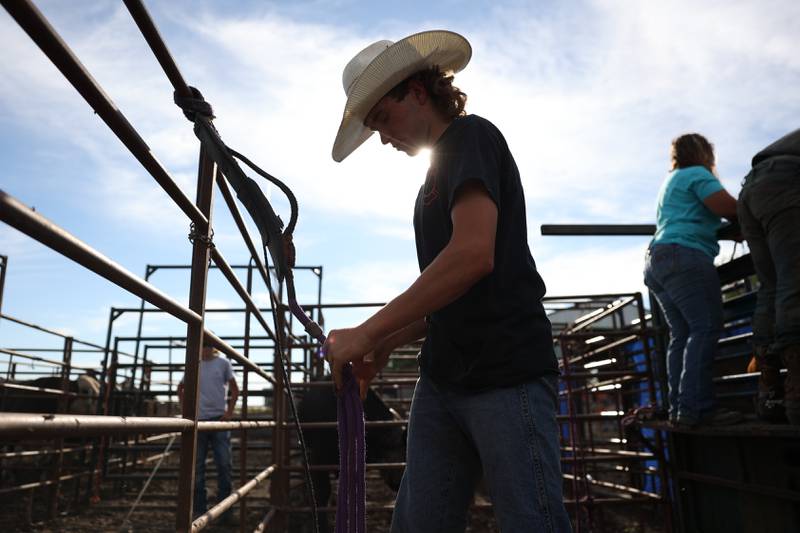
596	474
607	373
16	214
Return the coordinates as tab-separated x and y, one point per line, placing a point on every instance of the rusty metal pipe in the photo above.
241	291
157	45
44	35
262	526
225	348
206	174
216	511
21	322
53	362
16	214
43	425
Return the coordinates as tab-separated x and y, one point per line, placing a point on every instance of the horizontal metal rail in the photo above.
598	230
38	453
42	390
264	523
612	308
42	33
775	493
112	464
30	325
53	362
485	505
616	486
47	425
586	298
157	45
216	511
38	227
16	214
240	290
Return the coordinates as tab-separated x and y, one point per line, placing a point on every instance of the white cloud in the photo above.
374	281
588	96
403	232
593	270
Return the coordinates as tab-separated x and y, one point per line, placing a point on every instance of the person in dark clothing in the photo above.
485	401
769	215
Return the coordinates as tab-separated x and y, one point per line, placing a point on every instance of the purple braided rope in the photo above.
352	471
350	508
360	479
351	498
343	493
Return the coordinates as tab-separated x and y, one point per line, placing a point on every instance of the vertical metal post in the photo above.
109	403
113	314
318	271
59	443
566	352
279	488
148	272
100	460
3	267
194	342
169	372
651	385
245	385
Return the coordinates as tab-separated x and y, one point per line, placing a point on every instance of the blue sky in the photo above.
588	95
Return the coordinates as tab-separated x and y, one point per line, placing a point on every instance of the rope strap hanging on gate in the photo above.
277	242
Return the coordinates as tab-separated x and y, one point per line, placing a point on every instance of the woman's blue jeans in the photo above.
508	435
687	288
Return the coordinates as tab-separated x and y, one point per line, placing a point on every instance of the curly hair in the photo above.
447	99
692	149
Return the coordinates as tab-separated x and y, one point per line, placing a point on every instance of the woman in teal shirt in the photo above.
680	272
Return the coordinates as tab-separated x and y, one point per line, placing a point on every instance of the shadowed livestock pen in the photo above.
742	478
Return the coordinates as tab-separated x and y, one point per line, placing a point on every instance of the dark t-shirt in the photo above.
497	334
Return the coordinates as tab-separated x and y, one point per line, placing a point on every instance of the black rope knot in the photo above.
193	105
195	235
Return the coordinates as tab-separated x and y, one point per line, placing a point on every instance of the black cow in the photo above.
28	399
383	444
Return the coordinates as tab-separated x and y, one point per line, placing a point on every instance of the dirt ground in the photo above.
156	512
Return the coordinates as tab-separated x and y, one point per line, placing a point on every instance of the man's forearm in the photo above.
414	331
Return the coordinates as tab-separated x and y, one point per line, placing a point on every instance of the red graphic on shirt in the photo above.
430	191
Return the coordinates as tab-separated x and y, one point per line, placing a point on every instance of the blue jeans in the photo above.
769	215
220	442
509	435
686	286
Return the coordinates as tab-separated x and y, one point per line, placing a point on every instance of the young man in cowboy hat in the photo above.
485	401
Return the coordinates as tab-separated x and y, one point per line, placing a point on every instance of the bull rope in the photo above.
277	244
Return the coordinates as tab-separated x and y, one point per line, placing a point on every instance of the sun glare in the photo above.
423	159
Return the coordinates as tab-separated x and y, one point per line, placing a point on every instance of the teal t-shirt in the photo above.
682	217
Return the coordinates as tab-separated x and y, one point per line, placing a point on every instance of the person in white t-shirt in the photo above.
216	379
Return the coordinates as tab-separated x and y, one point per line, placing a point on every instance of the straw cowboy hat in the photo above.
376	69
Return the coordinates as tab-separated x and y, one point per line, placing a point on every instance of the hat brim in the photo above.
448	50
